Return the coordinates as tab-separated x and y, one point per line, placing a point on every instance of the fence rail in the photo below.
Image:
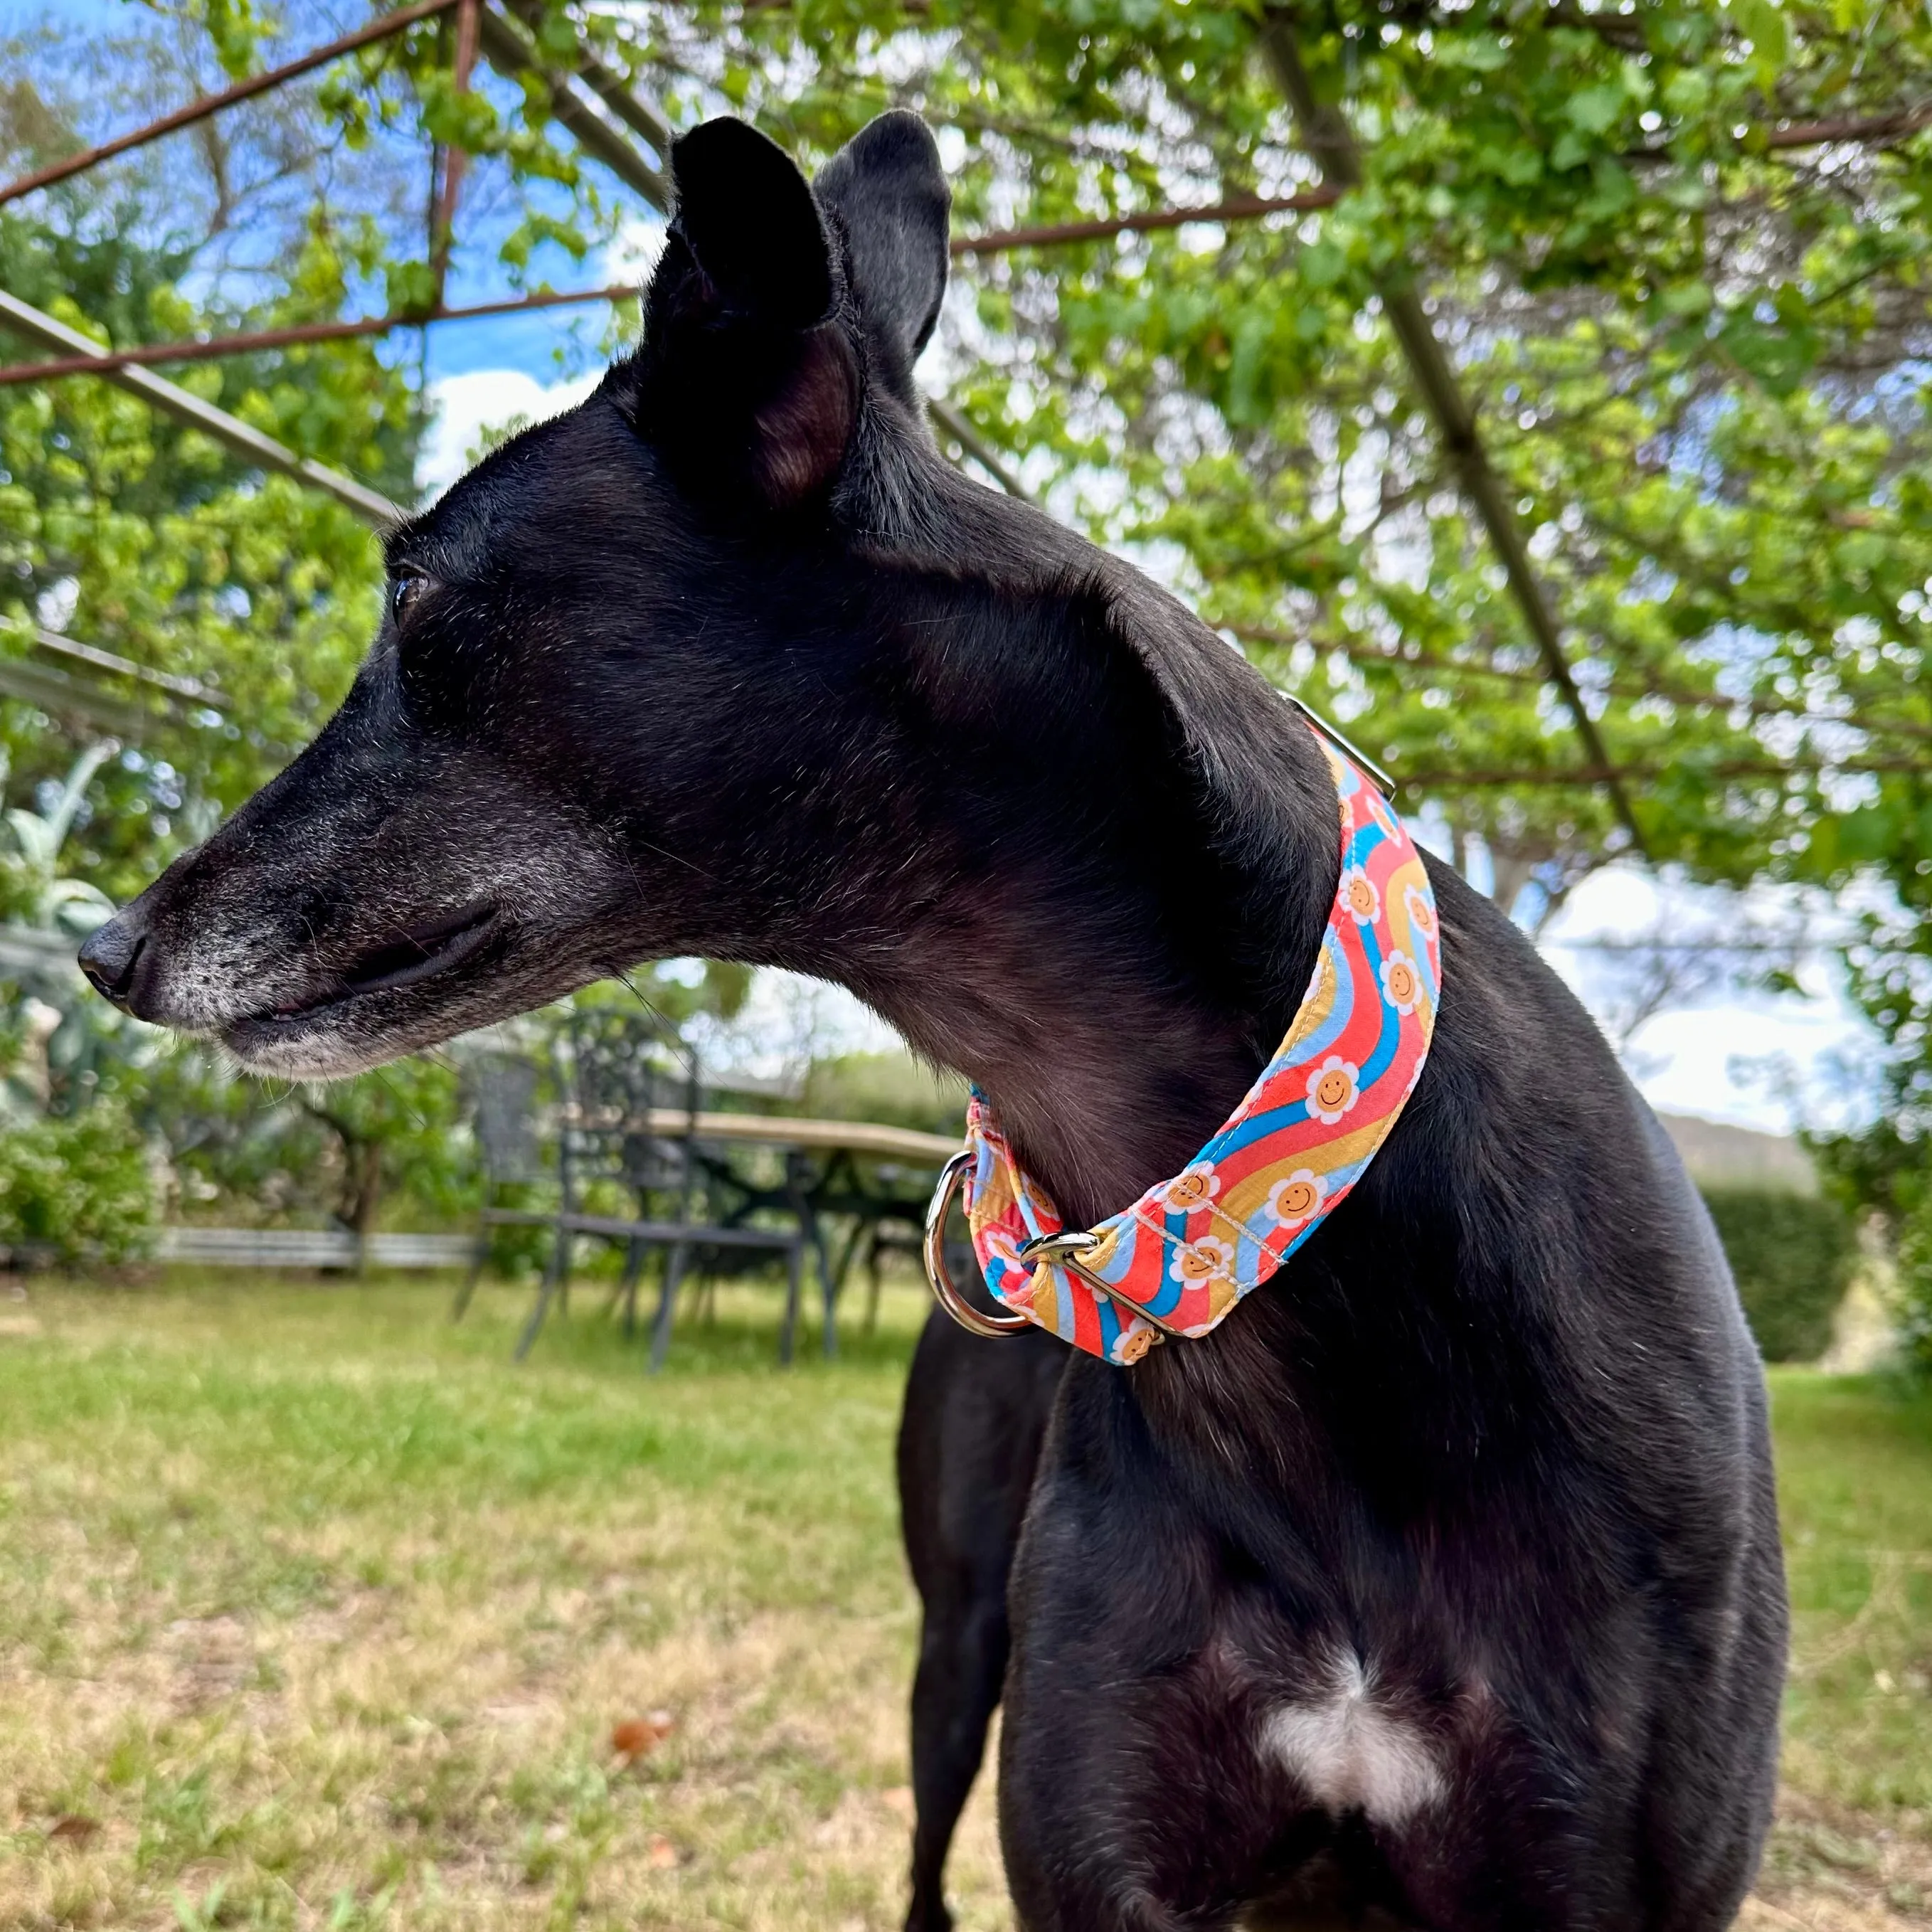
311	1248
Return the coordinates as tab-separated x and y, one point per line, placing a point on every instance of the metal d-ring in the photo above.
949	1297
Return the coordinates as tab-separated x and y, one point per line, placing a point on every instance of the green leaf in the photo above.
1571	151
1322	264
1596	110
1763	22
1688	300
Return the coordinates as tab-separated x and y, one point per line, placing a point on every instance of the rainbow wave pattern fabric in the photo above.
1188	1251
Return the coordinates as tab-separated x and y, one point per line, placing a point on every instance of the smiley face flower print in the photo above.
1185	1254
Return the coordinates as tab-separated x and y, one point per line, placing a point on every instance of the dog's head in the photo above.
589	673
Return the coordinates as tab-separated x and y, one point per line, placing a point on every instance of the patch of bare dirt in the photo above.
213	1658
1830	1870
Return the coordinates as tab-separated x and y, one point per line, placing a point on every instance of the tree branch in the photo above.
1651	686
1326	135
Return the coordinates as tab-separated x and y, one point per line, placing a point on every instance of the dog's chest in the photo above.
1350	1747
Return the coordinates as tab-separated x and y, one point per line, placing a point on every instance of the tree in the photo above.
1673	255
345	1151
1694	348
144	537
1674	251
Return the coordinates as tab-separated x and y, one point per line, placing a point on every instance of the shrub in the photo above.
1912	1299
1886	1167
893	1087
78	1187
1793	1256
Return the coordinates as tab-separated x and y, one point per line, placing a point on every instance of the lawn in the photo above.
316	1612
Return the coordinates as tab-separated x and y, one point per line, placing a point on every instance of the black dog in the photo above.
1443	1579
970	1440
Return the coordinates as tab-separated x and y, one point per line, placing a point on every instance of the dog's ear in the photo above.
888	192
746	377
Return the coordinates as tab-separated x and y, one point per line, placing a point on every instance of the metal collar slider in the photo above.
975	1321
1064	1250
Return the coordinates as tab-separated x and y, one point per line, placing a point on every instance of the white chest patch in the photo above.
1351	1753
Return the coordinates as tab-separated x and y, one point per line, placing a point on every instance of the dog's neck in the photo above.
1106	1076
1110	1067
1116	978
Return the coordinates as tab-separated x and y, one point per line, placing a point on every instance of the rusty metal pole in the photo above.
455	159
141	355
213	103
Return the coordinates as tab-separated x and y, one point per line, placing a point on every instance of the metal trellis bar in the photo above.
1863	721
190	689
1237	208
455	159
1585	776
508	50
640	116
213	103
250	444
145	354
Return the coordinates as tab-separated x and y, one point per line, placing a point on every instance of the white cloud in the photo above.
1726	1051
788	1022
631	255
1708	1055
482	399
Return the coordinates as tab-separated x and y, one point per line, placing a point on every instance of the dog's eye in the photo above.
404	594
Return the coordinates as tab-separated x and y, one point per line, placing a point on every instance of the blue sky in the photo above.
81	13
546	345
531	343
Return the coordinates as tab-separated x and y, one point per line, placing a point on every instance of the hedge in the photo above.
1793	1256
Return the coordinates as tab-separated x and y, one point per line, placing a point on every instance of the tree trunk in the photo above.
365	1170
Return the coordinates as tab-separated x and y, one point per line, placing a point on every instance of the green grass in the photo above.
316	1612
1854	1467
324	1613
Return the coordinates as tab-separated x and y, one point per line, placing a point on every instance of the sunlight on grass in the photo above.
315	1611
1856	1481
1854	1475
323	1613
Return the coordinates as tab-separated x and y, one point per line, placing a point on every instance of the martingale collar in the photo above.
1187	1252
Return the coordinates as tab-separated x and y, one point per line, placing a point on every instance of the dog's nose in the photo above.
111	954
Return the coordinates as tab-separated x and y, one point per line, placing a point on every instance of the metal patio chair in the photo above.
619	1075
504	1085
